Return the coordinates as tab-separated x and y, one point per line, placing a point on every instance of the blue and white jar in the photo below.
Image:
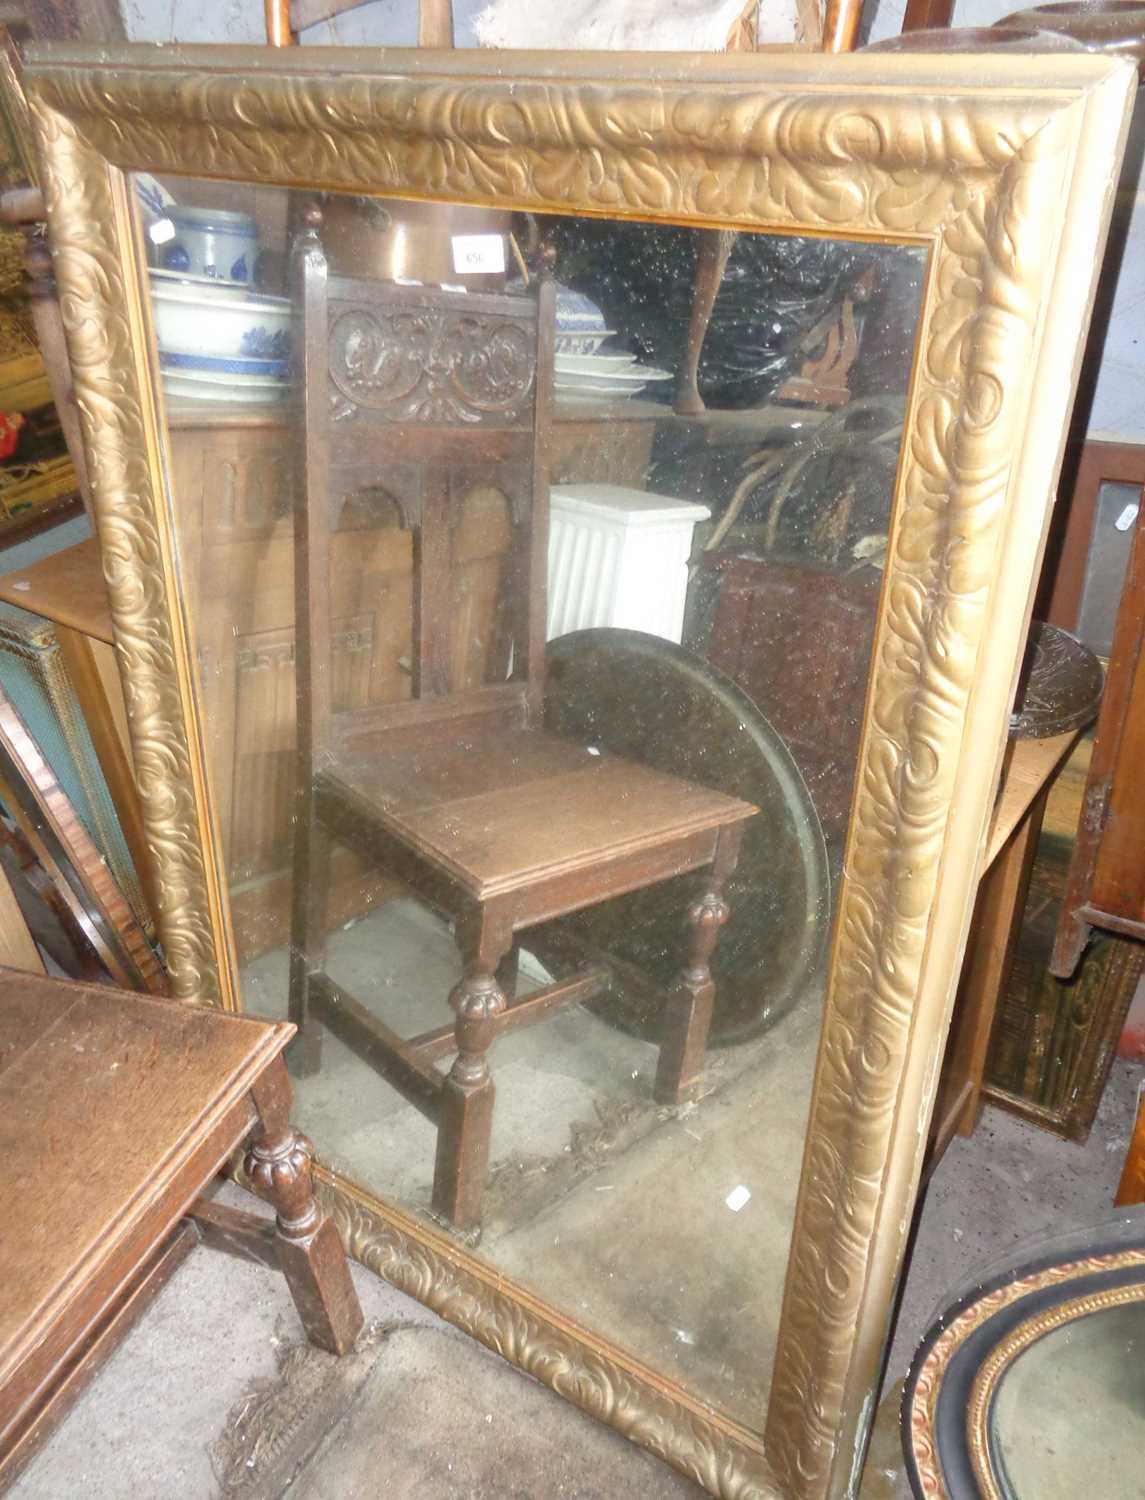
211	242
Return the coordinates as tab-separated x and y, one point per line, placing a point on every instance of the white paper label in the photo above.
478	254
1127	517
161	231
736	1199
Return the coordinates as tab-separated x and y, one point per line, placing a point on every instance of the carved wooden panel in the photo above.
796	637
412	363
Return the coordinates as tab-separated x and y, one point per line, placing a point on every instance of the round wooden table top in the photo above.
655	702
1060	686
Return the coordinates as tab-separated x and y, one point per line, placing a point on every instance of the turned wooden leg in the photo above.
508	972
466	1120
313	1261
309	900
715	246
688	1013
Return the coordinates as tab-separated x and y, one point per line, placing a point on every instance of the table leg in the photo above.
688	1008
313	1261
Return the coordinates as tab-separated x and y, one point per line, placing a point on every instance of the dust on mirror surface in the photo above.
545	755
1091	1365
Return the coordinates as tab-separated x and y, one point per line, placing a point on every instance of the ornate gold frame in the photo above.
1004	168
1111	1278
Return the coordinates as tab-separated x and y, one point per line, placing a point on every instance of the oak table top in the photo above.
107	1096
117	1110
1028	766
67	587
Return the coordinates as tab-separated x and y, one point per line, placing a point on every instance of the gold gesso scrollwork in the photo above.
976	175
95	308
640	1409
753	154
989	262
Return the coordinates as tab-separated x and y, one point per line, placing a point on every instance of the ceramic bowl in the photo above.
210	242
581	344
194	286
579	322
234	390
576	313
213	364
201	320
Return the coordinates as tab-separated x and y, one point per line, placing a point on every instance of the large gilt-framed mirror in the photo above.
570	524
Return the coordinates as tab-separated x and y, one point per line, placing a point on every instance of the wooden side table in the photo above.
117	1110
1028	774
1107	872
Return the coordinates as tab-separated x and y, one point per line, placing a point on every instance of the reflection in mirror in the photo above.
1091	1365
534	567
1027	1385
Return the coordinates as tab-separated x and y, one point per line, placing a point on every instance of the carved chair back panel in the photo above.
439	401
431	357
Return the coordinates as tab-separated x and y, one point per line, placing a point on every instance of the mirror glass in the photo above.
1106	563
533	566
1069	1417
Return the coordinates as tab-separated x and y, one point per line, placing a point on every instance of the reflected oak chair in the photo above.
458	791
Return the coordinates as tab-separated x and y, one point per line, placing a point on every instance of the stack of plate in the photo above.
585	371
603	376
218	340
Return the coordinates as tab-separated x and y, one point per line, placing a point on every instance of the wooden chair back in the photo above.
423	397
286	18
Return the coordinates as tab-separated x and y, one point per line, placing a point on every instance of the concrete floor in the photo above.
1007	1184
585	1167
437	1416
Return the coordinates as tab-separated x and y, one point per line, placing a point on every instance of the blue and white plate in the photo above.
592	364
627	381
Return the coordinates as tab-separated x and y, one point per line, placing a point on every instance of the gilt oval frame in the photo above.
951	1392
1005	168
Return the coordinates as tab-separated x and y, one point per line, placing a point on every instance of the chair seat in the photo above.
499	810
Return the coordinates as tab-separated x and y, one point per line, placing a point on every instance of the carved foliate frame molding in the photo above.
1004	168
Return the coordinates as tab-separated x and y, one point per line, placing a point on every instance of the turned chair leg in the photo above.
465	1123
313	1261
688	1012
307	940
